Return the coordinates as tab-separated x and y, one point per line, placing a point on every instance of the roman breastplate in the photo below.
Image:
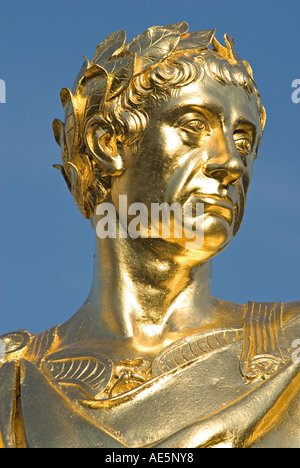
230	387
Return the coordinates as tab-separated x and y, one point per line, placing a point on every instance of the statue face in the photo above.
198	147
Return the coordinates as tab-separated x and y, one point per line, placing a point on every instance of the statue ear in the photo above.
101	140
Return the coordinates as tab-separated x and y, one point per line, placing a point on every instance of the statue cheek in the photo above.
246	180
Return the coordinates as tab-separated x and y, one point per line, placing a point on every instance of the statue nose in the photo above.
226	165
225	175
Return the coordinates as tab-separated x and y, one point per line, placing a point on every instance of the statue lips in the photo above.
215	204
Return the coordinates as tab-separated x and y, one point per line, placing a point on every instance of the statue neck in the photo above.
147	289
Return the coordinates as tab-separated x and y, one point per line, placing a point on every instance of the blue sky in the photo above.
46	246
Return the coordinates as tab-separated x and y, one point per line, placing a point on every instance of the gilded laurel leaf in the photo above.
122	73
228	52
181	27
82	170
81	179
229	41
72	131
58	130
120	69
92	72
112	45
95	99
196	40
95	91
59	133
80	74
152	46
65	96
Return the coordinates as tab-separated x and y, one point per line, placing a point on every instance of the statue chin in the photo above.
217	233
216	236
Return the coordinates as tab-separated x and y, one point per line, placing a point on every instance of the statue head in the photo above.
140	114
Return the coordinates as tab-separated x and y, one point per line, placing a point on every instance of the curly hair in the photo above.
129	112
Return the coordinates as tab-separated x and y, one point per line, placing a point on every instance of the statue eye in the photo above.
243	142
194	126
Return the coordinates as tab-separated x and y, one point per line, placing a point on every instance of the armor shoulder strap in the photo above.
264	350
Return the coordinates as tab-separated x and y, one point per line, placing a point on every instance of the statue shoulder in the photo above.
13	348
16	349
22	344
14	345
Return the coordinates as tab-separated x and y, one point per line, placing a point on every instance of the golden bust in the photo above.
158	144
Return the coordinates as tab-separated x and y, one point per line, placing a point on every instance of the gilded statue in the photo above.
151	359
